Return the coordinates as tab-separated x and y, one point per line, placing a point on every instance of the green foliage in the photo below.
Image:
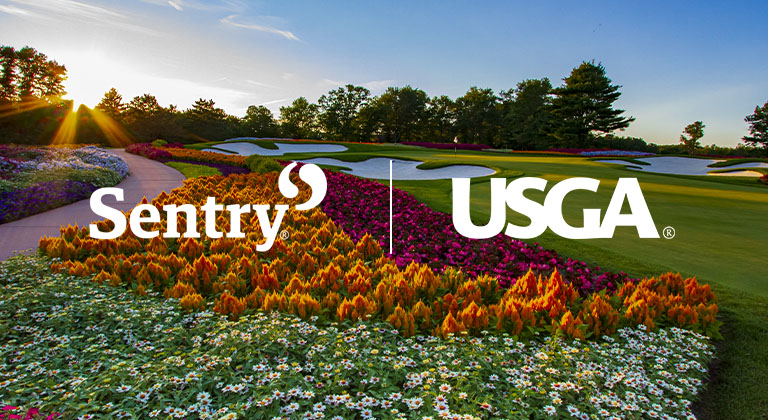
299	120
259	122
477	116
526	115
339	109
191	170
758	127
691	135
112	104
29	75
611	141
159	143
584	105
441	120
263	164
399	112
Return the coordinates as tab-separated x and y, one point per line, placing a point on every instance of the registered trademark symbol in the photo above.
669	232
284	235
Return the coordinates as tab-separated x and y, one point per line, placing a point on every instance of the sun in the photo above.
89	75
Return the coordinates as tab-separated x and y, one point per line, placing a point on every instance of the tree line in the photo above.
533	115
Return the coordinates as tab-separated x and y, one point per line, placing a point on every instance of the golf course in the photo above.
719	225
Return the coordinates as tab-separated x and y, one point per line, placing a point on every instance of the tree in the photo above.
112	104
29	75
526	114
8	78
401	111
584	105
477	116
758	127
339	110
142	106
441	115
299	120
694	132
259	122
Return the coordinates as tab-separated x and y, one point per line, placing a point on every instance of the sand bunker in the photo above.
378	168
687	166
247	149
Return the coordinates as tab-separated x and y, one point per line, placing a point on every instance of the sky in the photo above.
677	62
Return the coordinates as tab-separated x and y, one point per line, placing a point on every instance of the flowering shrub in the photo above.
427	236
321	271
764	179
209	157
37	179
459	146
91	351
148	151
40	197
601	152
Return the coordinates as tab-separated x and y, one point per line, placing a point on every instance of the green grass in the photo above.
720	238
190	170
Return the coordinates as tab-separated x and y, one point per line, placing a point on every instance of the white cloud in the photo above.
276	101
176	4
262	84
83	12
13	10
205	5
229	20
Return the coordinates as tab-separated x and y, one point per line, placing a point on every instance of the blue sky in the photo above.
677	61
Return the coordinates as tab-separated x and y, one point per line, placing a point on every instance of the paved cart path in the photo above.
148	178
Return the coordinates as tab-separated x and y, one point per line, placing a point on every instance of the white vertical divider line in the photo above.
390	207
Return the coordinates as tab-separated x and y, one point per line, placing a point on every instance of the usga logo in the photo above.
309	173
550	213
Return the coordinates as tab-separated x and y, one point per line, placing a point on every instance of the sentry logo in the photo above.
550	213
310	174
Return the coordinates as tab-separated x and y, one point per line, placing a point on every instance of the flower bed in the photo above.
427	236
148	151
601	152
37	179
175	152
140	357
446	146
321	271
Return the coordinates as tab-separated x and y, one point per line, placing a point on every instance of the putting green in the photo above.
720	225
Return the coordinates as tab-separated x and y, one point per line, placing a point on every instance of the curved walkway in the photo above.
148	178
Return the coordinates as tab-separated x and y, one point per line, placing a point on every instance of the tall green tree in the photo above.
259	122
584	106
691	135
28	75
526	115
299	120
402	110
206	110
112	104
8	76
478	115
758	127
441	119
339	109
